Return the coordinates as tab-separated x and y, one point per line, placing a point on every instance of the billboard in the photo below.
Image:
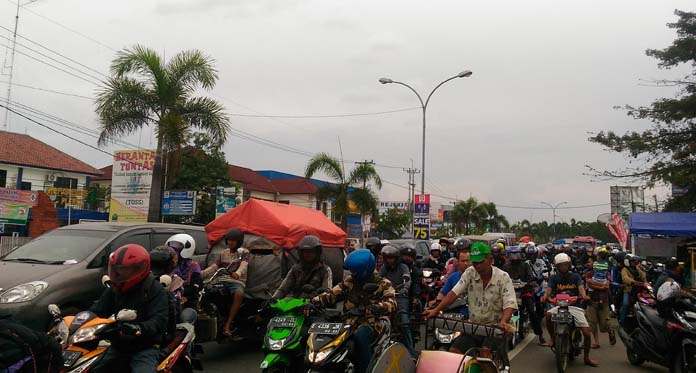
225	200
387	205
131	181
626	199
13	214
421	217
179	203
19	197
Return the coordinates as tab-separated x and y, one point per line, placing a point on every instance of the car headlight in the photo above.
276	344
322	355
85	334
23	292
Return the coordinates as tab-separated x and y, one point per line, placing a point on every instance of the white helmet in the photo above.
668	290
561	258
183	244
435	246
530	243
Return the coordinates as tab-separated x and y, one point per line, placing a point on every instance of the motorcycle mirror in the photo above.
106	281
165	280
54	310
126	315
370	287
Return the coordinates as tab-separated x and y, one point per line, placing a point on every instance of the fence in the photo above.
9	243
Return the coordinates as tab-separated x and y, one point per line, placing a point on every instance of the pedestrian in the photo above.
597	312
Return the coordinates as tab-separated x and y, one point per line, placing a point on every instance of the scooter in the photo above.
330	346
443	336
567	338
520	318
640	293
432	283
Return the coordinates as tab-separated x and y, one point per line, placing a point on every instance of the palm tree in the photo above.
359	178
495	221
144	91
468	214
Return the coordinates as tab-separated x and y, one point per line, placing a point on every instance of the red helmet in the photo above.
128	266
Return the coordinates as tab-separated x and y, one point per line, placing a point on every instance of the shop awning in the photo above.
674	224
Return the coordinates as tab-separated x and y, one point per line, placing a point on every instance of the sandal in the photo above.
612	337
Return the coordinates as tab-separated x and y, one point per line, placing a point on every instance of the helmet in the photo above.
235	235
514	253
162	260
549	246
565	248
243	254
498	247
635	259
620	257
435	247
310	242
531	251
372	242
561	258
408	250
443	241
390	251
531	243
614	251
500	240
183	244
671	263
600	250
668	290
361	264
462	244
128	266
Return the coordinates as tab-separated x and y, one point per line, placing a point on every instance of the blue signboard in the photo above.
421	217
179	203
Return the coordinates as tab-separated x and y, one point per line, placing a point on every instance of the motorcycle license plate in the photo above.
70	357
328	328
452	315
283	322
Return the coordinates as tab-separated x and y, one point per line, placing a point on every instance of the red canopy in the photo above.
525	239
283	224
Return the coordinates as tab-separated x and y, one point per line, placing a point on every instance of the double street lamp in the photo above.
554	208
424	107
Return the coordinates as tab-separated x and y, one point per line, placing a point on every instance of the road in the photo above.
528	357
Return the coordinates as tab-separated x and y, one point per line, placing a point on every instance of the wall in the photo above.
37	177
304	200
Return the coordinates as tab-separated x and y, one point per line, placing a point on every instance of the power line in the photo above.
53	66
325	115
48	90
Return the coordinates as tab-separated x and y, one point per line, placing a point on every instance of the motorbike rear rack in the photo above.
464	326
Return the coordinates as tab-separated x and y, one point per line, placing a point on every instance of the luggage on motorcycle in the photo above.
394	358
24	350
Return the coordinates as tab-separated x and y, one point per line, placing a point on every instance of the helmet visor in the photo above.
124	272
176	245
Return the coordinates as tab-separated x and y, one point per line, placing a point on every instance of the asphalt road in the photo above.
527	357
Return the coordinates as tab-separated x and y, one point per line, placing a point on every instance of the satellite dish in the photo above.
604	218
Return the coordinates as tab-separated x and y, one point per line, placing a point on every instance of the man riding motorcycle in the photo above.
498	251
672	271
435	260
462	265
310	270
631	274
361	265
567	282
134	288
400	277
490	296
374	244
520	270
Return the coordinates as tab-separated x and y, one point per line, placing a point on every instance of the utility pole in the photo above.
411	187
365	162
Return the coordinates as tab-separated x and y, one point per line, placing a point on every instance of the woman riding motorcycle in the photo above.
162	262
186	268
631	274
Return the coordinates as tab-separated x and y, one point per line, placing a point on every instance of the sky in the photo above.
546	74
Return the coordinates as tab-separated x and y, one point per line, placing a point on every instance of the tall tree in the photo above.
145	91
469	215
359	181
666	152
394	223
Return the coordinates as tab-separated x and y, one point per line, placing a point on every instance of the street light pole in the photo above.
424	107
553	208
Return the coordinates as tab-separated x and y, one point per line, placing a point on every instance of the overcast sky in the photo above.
545	74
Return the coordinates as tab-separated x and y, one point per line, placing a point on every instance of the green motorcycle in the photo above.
283	341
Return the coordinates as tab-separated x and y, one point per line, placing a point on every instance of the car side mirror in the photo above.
106	281
54	310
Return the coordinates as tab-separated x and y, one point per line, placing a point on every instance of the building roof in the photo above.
251	179
106	175
24	150
294	186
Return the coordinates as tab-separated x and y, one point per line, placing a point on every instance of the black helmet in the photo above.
462	244
408	250
372	242
236	235
310	242
390	251
620	256
162	260
672	263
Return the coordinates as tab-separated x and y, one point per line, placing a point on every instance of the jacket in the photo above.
151	302
438	264
629	280
400	278
319	277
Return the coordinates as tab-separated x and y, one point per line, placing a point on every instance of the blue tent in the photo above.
675	224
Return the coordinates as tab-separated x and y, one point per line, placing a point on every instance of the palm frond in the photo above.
366	201
207	115
139	60
364	173
192	69
123	105
325	163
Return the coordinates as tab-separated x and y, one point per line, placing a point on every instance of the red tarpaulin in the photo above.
525	239
283	224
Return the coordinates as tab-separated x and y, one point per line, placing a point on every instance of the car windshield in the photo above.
59	246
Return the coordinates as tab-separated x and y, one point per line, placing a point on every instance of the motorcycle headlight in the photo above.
276	345
446	338
23	292
427	273
62	333
85	334
322	355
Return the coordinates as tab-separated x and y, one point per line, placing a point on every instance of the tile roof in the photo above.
251	179
106	176
24	150
294	186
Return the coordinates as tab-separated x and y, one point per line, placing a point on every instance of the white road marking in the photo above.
528	339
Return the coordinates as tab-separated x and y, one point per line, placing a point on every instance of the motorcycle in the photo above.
330	346
432	283
282	343
666	337
444	336
476	359
640	293
520	319
568	338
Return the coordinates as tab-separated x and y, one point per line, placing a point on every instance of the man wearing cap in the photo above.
491	296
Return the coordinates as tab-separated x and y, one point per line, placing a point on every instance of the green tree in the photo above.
359	181
146	91
666	152
203	169
469	216
394	223
494	221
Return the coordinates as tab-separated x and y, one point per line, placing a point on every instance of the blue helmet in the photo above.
361	264
514	253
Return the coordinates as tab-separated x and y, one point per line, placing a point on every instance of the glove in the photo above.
375	309
128	329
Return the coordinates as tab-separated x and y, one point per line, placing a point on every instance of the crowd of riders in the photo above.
595	276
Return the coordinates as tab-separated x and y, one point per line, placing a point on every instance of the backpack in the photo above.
25	350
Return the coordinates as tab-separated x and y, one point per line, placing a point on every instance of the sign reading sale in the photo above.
421	217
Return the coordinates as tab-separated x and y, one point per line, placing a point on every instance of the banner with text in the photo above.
225	200
131	181
13	214
179	203
21	197
421	217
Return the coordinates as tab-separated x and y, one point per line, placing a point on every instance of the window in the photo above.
141	238
3	178
160	237
25	185
324	207
285	202
65	182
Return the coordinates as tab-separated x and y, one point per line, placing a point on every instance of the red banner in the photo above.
19	197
